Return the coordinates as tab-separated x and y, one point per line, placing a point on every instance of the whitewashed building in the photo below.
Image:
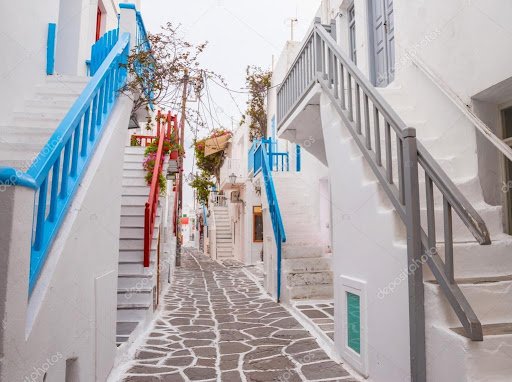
406	105
78	282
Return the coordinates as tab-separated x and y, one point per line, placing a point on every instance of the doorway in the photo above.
382	41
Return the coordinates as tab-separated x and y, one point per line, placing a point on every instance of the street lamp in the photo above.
232	178
214	193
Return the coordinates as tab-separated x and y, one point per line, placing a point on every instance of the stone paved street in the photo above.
320	314
216	325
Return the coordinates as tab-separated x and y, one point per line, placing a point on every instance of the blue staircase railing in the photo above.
101	49
261	158
56	172
146	69
64	159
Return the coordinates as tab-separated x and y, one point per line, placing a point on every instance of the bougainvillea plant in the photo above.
209	165
212	163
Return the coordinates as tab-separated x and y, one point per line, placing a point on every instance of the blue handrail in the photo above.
142	69
58	169
262	159
275	214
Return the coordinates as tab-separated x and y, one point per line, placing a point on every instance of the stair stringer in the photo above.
368	238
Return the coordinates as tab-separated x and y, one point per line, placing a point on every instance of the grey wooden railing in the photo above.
395	159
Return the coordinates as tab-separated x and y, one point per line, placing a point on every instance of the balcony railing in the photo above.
277	161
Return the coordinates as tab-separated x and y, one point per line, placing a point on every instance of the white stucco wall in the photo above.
72	310
23	37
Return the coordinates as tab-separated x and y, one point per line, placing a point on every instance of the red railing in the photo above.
164	132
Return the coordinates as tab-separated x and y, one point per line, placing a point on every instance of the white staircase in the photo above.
306	264
23	137
483	273
136	284
223	233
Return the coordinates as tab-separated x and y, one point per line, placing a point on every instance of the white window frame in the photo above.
358	287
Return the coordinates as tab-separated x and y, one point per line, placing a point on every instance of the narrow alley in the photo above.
217	325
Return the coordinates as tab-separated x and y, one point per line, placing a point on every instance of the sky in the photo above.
239	33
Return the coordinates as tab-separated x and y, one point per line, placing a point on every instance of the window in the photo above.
353	322
257	226
352	301
352	33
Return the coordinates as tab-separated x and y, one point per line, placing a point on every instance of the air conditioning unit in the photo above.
235	197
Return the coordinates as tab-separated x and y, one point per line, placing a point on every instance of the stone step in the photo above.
33	121
132	315
37	141
19	164
136	191
301	251
57	87
13	152
131	233
137	150
43	105
307	265
132	200
49	114
492	216
490	298
134	181
67	78
125	328
135	296
134	281
310	292
466	360
135	244
134	306
134	256
308	278
474	260
132	221
137	266
136	165
134	173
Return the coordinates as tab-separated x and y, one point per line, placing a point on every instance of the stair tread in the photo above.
479	280
488	329
133	306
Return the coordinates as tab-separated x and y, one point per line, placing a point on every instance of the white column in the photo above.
128	22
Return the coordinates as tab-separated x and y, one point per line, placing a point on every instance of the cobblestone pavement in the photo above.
320	314
216	325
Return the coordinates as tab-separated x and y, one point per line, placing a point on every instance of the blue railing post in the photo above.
50	49
297	158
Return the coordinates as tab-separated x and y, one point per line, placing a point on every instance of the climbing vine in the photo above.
258	82
202	183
